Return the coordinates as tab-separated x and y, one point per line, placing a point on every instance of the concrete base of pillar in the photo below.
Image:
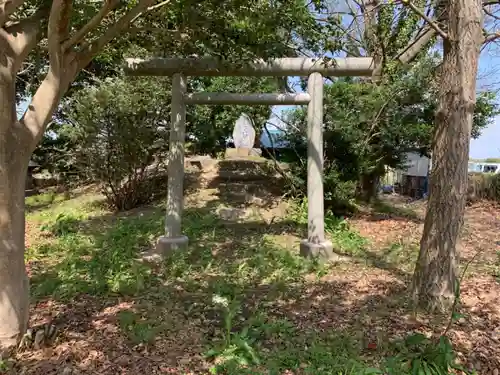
165	246
322	251
243	151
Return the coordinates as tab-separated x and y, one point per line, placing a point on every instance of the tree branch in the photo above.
347	31
431	23
495	35
159	5
174	33
7	7
491	37
490	13
64	66
44	103
330	16
24	35
150	8
57	31
62	71
91	49
80	35
411	51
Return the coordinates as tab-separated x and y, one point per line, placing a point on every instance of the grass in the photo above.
346	240
40	200
235	298
84	259
383	207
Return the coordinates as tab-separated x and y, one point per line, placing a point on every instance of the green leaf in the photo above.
416	339
416	366
427	370
212	353
457	316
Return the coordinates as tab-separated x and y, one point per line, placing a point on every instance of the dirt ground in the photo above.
365	297
478	333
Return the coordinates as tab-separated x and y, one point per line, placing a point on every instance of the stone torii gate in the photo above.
315	69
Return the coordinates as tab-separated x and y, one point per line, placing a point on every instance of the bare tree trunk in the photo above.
435	278
13	169
368	185
18	139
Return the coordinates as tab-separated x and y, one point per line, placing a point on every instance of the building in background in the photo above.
483	167
412	180
273	140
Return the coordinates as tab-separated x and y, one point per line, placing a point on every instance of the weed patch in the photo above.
395	211
346	239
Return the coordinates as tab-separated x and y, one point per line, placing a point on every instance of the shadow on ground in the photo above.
394	209
118	316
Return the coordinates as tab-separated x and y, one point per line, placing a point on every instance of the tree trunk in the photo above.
369	183
14	159
368	186
18	139
435	278
369	9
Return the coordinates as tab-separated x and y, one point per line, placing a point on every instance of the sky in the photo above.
21	108
488	144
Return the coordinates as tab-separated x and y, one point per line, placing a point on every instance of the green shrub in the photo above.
345	238
120	138
339	190
418	354
63	224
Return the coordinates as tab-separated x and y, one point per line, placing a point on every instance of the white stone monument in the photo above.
244	135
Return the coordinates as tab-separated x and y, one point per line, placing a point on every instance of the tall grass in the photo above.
483	186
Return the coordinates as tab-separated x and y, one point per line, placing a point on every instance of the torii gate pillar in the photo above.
173	238
315	245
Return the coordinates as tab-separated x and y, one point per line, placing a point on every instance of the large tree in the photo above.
401	31
464	26
435	280
389	31
44	45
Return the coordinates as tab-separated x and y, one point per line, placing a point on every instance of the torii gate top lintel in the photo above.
288	66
